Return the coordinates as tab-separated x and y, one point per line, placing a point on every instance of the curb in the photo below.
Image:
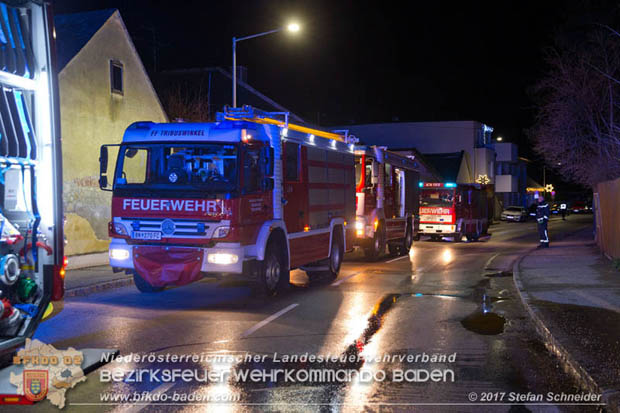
95	288
611	397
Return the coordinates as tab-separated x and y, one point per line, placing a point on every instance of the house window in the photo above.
116	77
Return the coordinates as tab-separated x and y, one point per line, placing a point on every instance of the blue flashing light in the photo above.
419	294
421	184
135	225
449	185
200	228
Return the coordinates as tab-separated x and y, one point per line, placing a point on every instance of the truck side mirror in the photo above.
267	184
103	160
267	160
103	167
375	173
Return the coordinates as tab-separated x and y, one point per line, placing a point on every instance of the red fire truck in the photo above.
249	194
386	201
453	210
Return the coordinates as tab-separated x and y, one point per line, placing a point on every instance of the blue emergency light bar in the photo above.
436	185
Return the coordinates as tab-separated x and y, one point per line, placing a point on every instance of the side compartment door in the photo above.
295	189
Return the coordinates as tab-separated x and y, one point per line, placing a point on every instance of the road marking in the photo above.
396	259
162	388
489	261
340	281
268	320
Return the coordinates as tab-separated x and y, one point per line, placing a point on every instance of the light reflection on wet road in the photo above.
409	305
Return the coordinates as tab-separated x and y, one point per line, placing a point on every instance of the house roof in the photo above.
215	84
447	164
74	30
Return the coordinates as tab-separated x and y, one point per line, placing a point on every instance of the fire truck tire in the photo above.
143	286
336	254
377	247
407	241
273	275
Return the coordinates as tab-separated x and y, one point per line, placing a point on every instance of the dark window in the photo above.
251	171
291	161
116	77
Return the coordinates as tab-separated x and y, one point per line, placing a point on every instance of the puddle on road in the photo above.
485	323
351	358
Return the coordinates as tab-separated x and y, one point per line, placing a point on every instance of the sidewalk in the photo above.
92	279
572	293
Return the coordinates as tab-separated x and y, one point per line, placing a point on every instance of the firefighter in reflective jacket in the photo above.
542	217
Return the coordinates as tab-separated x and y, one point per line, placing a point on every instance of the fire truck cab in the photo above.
386	201
249	194
453	210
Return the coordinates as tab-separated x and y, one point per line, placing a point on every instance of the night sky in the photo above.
362	62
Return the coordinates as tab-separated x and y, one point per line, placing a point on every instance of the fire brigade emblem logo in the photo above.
173	177
35	384
168	227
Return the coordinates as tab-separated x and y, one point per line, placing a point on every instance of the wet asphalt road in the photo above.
444	298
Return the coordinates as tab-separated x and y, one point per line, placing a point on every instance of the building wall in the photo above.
484	162
91	116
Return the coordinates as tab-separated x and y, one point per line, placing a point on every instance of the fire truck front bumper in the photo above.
223	258
433	229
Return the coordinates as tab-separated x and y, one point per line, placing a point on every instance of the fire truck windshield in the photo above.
203	167
435	198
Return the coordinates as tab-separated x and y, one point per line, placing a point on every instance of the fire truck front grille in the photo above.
181	228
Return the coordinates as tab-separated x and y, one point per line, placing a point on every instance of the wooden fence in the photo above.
607	210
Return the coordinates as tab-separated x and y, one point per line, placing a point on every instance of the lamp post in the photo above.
293	27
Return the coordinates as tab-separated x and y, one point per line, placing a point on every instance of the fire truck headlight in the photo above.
221	232
223	258
360	226
120	229
119	254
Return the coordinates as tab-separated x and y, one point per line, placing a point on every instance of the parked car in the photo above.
514	213
580	208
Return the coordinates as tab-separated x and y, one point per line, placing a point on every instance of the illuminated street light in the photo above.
499	139
292	27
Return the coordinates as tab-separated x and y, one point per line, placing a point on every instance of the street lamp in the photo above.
499	139
292	27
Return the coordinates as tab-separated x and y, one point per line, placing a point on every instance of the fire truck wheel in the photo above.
407	241
377	248
272	275
143	286
336	254
458	237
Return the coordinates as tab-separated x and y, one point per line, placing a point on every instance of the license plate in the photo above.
149	235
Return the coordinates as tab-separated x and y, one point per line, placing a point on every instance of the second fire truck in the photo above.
248	194
387	198
453	210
